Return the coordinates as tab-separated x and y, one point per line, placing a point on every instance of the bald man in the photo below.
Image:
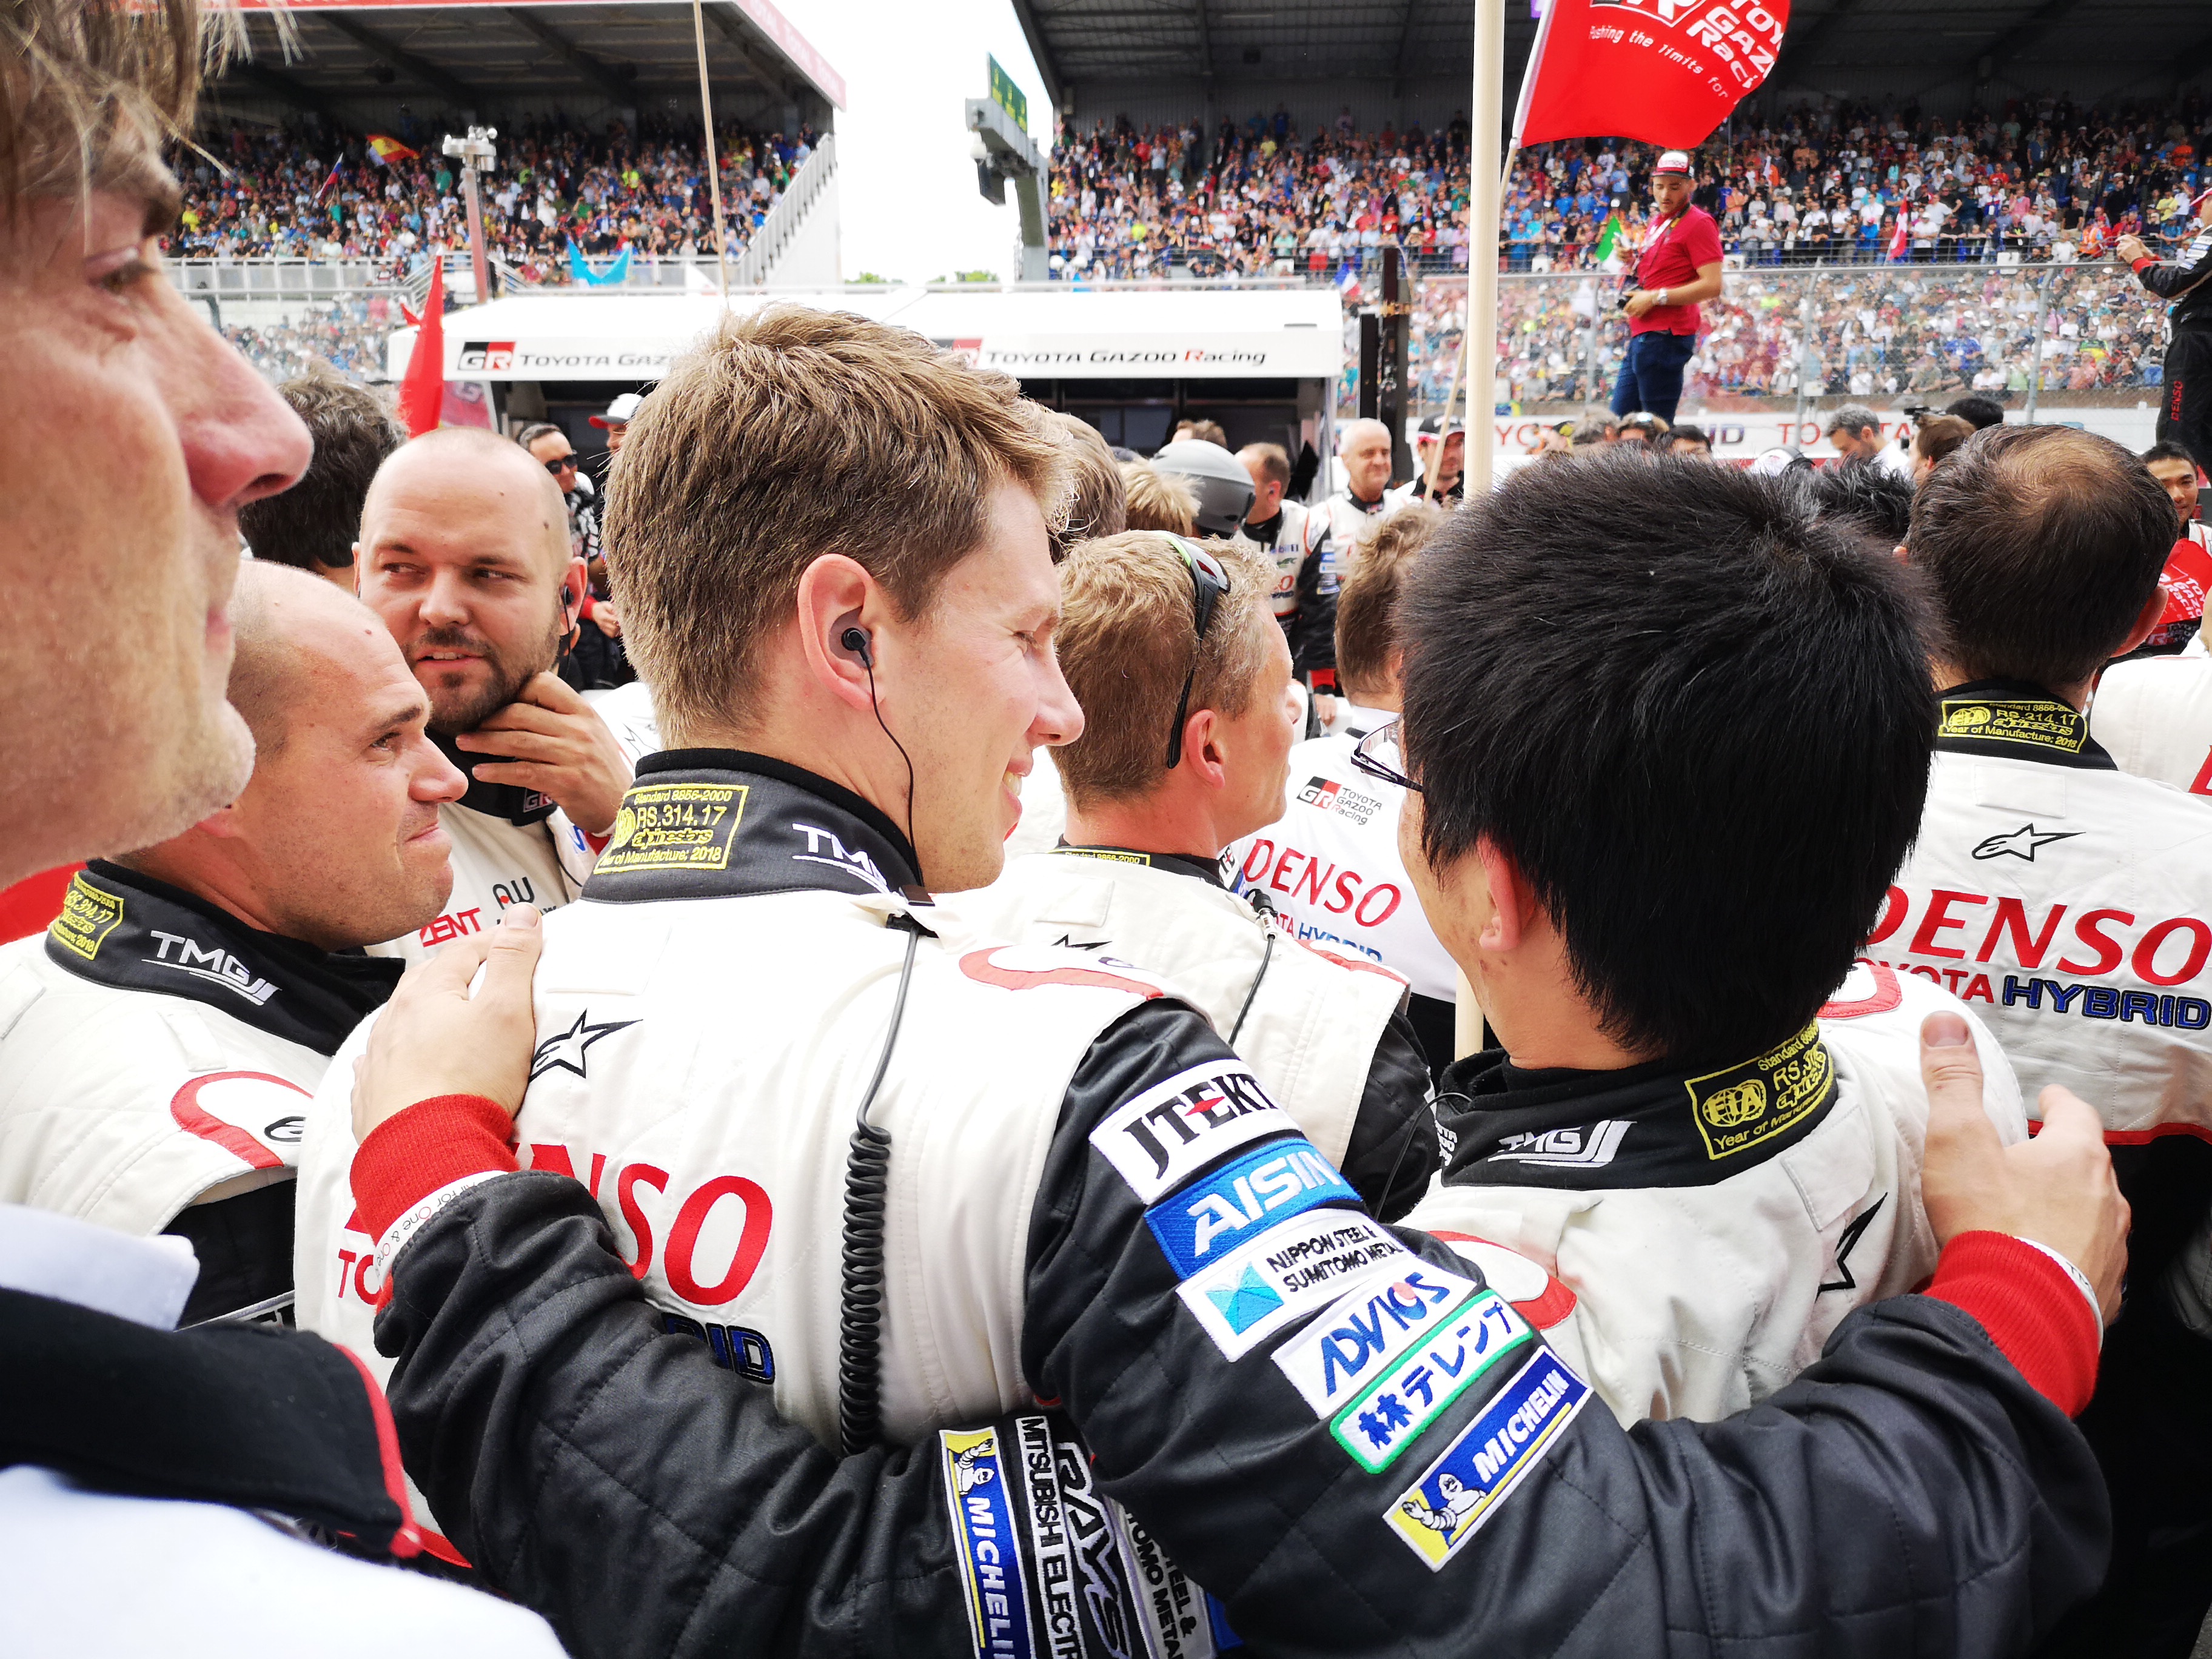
167	1029
465	553
1363	455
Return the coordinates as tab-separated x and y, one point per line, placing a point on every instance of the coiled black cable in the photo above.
867	1199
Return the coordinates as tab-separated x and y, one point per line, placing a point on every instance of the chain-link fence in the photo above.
1782	339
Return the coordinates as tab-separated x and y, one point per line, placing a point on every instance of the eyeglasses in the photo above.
561	464
1380	755
1210	585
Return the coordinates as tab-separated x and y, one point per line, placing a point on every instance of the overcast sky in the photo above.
911	210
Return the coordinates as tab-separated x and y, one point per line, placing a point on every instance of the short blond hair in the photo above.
793	434
1157	501
1128	631
1367	604
1097	502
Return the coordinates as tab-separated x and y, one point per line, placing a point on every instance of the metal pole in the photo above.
1485	186
1589	360
714	167
1486	160
1804	361
477	261
2042	323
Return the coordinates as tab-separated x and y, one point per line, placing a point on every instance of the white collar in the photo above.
47	1254
1353	721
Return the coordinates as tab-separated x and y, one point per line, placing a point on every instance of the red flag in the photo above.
1900	241
1664	72
422	393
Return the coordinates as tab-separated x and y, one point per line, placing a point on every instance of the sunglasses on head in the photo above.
1210	585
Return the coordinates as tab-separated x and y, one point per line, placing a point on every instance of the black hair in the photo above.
537	429
1697	719
2044	544
1869	497
2166	450
314	524
1977	412
1684	433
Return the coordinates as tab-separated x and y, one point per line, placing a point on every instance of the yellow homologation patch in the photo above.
2035	721
88	916
674	826
1754	1102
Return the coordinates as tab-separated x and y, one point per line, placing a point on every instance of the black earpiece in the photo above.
855	640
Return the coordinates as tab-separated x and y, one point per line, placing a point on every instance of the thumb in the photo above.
516	943
1951	1068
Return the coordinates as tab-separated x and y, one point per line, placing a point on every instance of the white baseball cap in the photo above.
1673	160
620	412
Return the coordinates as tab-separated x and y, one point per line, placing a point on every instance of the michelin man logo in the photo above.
966	1476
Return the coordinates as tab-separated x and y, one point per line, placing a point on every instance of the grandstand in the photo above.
1218	142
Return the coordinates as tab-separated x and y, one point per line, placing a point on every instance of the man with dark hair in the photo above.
1977	412
1871	499
596	661
1921	1488
313	525
1626	972
2067	900
1678	268
1856	431
1691	442
2188	575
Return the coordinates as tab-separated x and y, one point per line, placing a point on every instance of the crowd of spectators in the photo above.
2040	179
307	195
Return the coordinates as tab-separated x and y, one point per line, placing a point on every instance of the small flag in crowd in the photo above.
388	150
1608	238
1666	76
337	171
1900	240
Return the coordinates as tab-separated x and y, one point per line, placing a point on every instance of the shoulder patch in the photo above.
247	1114
1026	968
1160	1138
1869	989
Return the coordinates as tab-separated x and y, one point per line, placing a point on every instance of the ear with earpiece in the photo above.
854	638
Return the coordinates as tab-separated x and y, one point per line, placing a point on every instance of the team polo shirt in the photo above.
1671	254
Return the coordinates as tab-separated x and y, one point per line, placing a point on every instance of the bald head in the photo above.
465	554
287	623
480	474
1365	450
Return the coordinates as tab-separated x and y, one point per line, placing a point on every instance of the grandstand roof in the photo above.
482	55
1250	46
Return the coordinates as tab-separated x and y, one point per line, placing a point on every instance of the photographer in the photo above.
1678	268
2185	414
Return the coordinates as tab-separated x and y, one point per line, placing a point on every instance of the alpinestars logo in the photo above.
565	1051
2021	843
490	356
215	965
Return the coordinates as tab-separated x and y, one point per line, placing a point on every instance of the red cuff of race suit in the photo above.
2031	1306
2137	265
425	1149
1324	679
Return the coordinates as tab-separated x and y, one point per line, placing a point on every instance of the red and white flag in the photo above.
1664	72
1901	238
423	389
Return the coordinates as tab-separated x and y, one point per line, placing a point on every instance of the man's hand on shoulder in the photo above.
2056	1190
435	1039
551	740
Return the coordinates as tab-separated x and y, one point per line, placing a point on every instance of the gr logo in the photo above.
490	356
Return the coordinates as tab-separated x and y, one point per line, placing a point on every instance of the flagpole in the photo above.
714	167
1487	158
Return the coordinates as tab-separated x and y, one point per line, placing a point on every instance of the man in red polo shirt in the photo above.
1679	267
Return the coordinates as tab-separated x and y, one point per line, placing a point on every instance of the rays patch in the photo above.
1203	1222
1458	1493
1287	1273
